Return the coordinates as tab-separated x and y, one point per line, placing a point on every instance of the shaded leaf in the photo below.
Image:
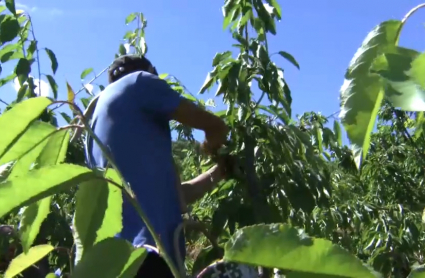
22	70
10	4
53	85
285	247
53	60
9	29
418	272
290	58
99	261
25	260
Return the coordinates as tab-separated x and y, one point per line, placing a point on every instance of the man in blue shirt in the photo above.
132	119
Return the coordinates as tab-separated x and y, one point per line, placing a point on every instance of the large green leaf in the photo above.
39	130
281	246
25	260
36	132
33	216
17	119
362	93
110	258
98	212
402	69
37	184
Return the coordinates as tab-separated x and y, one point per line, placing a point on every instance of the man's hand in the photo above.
229	168
215	139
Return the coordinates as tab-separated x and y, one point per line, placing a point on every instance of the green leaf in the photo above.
418	272
9	29
338	134
130	18
35	133
31	220
53	60
49	180
417	71
10	4
17	119
122	50
25	260
22	70
211	78
285	247
123	262
277	7
290	58
402	91
361	94
33	216
38	130
86	72
53	85
98	212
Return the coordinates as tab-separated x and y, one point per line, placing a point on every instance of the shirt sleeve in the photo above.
155	95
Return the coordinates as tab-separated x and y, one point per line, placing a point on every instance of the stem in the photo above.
37	51
127	189
406	17
82	89
4	102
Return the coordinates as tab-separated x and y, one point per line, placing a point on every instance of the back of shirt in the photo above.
132	119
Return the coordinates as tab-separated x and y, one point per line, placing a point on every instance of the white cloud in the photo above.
43	91
38	10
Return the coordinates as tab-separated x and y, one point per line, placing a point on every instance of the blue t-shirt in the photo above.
132	119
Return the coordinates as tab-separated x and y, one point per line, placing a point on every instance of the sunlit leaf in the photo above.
361	94
49	180
285	247
17	119
25	260
124	260
86	72
98	212
395	67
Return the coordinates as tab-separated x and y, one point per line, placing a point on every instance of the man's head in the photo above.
126	64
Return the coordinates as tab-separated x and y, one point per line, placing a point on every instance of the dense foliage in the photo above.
341	211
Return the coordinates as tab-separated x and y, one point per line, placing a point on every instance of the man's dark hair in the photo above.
126	64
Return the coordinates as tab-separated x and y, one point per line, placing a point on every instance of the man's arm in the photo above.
196	188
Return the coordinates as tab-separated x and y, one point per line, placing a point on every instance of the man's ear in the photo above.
152	70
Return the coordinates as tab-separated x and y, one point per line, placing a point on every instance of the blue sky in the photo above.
183	36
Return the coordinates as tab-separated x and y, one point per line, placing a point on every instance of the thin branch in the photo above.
83	88
4	102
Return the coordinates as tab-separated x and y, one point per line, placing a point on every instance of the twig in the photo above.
83	88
